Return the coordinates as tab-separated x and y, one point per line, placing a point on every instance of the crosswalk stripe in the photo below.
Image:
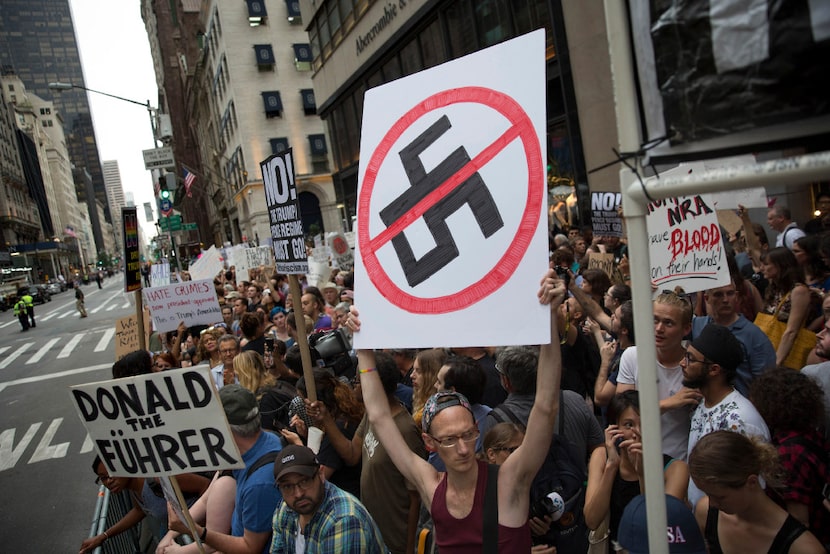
102	344
47	317
66	314
14	355
3	349
126	305
42	352
70	346
12	322
111	308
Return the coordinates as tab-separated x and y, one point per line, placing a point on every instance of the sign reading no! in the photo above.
452	195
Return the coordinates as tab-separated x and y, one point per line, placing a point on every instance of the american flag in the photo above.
189	179
69	231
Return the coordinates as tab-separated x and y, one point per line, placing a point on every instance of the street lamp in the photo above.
59	87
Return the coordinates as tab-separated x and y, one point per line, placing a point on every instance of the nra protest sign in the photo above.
451	202
685	244
163	423
284	213
193	302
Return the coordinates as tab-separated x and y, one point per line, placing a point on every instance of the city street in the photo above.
48	485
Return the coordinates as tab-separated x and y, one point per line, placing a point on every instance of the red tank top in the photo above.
464	536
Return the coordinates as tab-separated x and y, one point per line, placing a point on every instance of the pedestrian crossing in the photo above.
68	311
58	348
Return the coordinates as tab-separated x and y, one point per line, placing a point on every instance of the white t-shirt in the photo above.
733	413
674	423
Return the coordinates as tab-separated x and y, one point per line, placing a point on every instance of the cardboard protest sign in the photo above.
452	201
126	336
193	302
160	274
603	261
258	256
341	252
605	219
685	244
284	213
164	423
208	265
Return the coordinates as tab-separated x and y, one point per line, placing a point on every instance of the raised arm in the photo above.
412	467
591	307
517	473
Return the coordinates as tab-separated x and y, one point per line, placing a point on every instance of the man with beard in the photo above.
672	322
710	365
316	516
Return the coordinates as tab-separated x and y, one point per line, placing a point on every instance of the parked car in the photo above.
54	287
39	294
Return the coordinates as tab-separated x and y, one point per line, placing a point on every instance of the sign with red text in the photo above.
193	302
164	423
685	244
451	202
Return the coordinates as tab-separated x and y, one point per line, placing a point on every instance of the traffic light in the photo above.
164	193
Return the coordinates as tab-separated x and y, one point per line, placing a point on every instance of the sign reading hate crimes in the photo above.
164	423
284	213
685	244
605	219
193	302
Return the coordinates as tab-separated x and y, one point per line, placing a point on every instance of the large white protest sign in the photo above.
451	200
685	244
164	423
193	302
160	274
208	265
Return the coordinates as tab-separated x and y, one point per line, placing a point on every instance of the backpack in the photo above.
561	472
278	398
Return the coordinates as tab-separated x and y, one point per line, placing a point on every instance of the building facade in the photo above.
115	197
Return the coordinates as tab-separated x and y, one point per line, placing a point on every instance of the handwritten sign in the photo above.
208	265
126	336
164	423
193	302
160	274
685	244
341	252
603	261
605	220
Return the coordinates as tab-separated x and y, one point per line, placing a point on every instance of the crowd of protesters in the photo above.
413	437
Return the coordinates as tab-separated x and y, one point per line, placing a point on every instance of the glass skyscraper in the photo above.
37	43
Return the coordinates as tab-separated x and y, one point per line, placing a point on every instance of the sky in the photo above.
115	54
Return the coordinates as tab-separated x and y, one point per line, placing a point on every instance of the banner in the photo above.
132	256
160	274
126	336
605	217
685	244
193	302
284	213
158	424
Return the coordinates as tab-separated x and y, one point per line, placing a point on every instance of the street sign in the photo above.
159	158
165	206
190	227
172	223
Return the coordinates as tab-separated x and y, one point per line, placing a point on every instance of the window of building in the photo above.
264	56
273	103
293	9
257	14
278	145
302	57
461	29
493	19
309	102
318	145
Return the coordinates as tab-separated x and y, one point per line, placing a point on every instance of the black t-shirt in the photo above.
345	477
257	345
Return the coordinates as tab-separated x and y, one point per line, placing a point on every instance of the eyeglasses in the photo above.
228	351
689	360
509	449
101	479
448	442
303	484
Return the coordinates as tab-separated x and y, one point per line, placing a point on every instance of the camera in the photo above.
550	505
269	343
562	273
333	350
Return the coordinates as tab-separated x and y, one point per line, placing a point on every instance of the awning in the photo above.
278	145
309	102
273	103
302	52
318	144
293	9
264	54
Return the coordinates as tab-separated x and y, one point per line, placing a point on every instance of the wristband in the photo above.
203	536
366	370
106	536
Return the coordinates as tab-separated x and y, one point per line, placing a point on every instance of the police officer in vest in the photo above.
21	313
30	306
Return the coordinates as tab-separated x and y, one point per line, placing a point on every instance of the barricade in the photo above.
109	509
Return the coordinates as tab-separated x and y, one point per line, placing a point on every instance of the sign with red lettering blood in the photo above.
685	244
193	302
164	423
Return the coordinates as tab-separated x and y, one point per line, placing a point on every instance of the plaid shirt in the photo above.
806	473
341	524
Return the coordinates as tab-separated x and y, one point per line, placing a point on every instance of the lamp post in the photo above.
60	86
